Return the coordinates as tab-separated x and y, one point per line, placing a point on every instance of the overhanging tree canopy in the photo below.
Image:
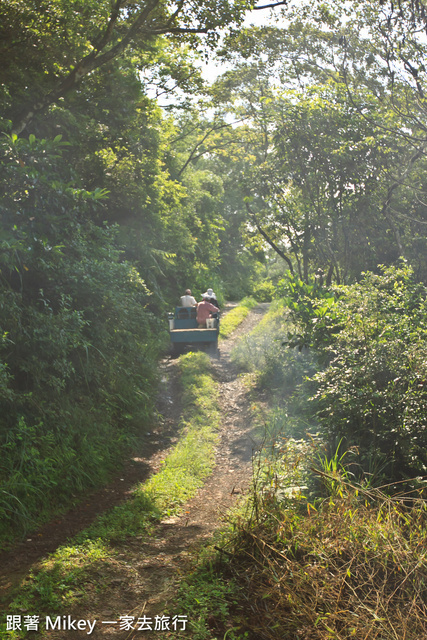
66	40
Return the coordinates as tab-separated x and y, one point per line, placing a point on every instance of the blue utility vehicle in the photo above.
184	331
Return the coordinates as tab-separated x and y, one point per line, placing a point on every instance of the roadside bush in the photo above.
312	311
373	391
344	565
350	568
264	291
78	347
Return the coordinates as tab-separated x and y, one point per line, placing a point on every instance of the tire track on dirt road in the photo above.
160	560
144	575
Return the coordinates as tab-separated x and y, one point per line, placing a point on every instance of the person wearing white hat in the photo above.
210	296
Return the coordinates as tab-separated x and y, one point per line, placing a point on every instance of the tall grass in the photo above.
262	351
352	564
278	372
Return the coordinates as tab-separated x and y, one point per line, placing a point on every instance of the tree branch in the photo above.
386	204
272	244
96	58
192	155
105	38
270	6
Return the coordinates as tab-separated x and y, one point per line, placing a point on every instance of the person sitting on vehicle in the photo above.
205	309
210	296
187	300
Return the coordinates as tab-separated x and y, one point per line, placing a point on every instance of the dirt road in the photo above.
143	577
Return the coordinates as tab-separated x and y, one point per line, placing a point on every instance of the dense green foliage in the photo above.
126	179
104	223
350	363
370	391
373	392
77	343
329	142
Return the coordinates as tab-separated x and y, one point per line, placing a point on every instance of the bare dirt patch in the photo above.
142	579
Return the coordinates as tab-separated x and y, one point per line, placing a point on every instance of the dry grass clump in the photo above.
354	567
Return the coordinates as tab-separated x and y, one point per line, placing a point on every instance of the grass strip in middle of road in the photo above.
192	459
233	318
63	579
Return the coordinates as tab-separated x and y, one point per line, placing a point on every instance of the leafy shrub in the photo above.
373	392
264	291
78	346
312	309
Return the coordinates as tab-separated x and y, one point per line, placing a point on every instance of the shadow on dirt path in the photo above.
155	445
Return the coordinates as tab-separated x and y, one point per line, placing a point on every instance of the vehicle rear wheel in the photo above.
213	350
176	349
